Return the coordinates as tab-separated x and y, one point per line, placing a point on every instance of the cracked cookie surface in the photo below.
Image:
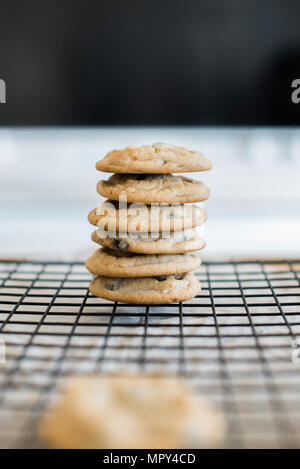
117	264
173	243
158	158
133	218
162	289
153	188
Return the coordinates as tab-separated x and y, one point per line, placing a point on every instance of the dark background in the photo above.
222	62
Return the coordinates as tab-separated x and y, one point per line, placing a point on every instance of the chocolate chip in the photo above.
178	276
161	278
121	244
112	286
116	243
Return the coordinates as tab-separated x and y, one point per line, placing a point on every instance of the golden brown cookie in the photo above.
158	158
153	188
161	289
172	243
132	218
131	411
116	264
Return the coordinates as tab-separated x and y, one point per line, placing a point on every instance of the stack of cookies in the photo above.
147	227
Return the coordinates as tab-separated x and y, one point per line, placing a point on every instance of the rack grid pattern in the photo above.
236	343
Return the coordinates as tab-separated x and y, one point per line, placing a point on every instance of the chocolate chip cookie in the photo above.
117	264
158	243
153	188
158	158
160	289
131	411
132	218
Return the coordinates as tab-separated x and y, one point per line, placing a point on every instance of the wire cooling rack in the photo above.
236	342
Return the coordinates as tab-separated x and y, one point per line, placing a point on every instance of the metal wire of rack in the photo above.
236	342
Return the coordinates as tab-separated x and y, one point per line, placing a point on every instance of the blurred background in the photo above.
208	62
83	78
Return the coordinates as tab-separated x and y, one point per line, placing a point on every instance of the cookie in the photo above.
118	264
174	243
160	289
158	158
131	411
153	188
132	218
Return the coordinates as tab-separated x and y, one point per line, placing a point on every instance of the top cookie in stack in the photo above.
146	229
158	158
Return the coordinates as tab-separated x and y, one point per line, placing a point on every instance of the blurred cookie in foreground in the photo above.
131	411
